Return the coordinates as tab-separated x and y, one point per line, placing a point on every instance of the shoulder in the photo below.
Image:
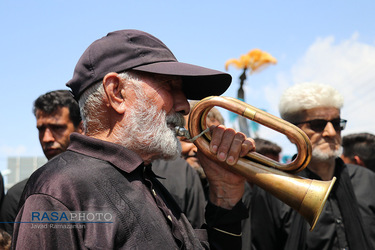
13	196
359	172
68	167
67	175
363	182
17	189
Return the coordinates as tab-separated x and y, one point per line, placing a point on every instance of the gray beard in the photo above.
151	132
318	155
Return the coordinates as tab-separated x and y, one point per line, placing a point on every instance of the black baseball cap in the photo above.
137	50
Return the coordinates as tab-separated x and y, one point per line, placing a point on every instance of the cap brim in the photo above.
198	82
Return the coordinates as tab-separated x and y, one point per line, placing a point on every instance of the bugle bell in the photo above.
306	196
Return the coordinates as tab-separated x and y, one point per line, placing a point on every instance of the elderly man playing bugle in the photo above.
132	93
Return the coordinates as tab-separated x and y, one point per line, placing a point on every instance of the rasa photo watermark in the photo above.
67	219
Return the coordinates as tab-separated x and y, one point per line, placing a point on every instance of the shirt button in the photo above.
169	217
338	221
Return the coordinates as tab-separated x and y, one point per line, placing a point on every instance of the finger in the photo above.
216	137
247	146
235	148
226	144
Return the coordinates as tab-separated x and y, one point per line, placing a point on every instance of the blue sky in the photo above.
327	41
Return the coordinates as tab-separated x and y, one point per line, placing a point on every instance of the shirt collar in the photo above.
121	157
311	175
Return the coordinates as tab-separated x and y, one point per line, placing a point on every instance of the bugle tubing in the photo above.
306	196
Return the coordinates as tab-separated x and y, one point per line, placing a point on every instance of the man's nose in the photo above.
48	136
181	103
329	130
193	149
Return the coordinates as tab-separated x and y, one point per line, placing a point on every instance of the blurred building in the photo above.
20	168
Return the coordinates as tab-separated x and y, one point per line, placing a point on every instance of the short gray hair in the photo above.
92	99
308	95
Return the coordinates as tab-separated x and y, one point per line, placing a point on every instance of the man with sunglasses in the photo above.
346	221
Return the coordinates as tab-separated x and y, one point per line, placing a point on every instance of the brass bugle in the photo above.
306	196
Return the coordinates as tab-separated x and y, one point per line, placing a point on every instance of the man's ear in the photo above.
359	161
79	128
113	86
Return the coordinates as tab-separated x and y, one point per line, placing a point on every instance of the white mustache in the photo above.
175	119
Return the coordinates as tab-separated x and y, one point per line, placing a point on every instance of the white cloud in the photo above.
349	67
346	65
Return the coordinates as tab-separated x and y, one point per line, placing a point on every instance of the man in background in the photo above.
268	149
359	148
57	116
184	184
272	151
346	221
189	150
1	189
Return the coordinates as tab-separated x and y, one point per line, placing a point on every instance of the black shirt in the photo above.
272	220
9	207
184	184
99	176
1	188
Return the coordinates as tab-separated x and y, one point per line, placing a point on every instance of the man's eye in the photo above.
169	84
59	128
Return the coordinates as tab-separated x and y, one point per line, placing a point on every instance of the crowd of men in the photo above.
112	150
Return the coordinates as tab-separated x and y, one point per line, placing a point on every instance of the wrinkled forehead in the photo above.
321	113
173	81
160	79
314	113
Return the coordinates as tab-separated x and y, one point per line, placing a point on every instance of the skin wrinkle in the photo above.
171	100
160	139
326	145
104	156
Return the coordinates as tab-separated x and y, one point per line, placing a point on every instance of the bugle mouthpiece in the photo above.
180	131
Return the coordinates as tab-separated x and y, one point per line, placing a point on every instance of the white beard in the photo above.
151	132
319	155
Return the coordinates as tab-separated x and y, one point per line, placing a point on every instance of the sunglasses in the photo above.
318	125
